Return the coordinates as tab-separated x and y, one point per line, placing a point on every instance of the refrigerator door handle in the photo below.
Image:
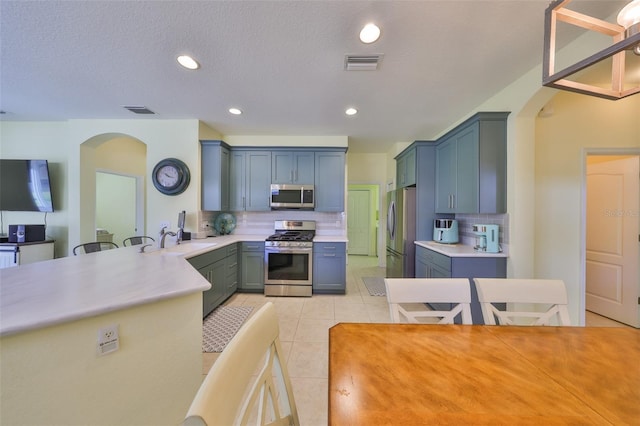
391	220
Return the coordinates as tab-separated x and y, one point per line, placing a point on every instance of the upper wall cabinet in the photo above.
329	181
406	168
292	167
250	179
471	166
215	175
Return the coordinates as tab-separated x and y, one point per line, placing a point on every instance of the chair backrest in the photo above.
137	240
419	291
222	398
523	292
93	247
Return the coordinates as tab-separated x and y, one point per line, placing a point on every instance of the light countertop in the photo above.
56	291
457	250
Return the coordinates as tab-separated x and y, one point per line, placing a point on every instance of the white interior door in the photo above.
116	205
358	224
612	255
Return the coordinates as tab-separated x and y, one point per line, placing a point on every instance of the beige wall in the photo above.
47	141
577	124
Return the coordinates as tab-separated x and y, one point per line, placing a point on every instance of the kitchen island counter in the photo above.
52	314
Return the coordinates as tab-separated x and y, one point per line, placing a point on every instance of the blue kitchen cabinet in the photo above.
457	172
231	265
471	166
252	267
329	268
292	167
220	268
215	175
416	165
329	181
406	168
212	266
431	264
250	179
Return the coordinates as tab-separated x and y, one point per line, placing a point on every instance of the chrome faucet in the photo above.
164	234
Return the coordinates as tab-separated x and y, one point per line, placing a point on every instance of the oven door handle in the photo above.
294	250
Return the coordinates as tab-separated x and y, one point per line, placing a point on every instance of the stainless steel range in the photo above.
288	259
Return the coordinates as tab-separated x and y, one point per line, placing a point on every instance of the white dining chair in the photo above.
537	301
411	299
249	381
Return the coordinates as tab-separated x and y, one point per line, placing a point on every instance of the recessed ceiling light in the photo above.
235	111
369	33
351	111
188	62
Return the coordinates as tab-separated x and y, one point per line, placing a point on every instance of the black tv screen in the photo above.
25	186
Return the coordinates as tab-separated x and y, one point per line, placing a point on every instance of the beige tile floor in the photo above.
304	324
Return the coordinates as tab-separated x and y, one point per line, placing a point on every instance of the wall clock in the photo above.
171	176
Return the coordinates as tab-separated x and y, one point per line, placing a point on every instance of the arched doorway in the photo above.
116	154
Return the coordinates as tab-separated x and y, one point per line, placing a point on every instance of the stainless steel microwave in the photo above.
288	196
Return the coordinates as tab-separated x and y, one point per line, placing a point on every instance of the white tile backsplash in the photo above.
252	223
465	222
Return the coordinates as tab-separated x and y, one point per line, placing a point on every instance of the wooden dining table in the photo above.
416	374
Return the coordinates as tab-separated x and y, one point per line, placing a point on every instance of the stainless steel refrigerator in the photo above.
401	233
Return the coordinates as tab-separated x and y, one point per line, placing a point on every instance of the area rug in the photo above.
219	327
375	286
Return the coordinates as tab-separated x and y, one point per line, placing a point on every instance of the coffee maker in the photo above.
445	231
487	238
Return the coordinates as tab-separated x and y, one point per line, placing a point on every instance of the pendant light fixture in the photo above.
629	18
625	35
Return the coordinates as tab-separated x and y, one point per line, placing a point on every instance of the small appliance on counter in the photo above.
26	233
487	238
182	234
445	231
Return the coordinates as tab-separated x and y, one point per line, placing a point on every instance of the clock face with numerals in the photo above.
171	176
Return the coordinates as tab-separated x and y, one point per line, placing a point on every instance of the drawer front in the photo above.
208	258
330	248
253	246
232	249
439	260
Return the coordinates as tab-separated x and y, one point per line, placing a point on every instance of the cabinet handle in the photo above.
329	255
330	248
291	175
453	201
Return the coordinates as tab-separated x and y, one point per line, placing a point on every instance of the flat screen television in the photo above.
25	186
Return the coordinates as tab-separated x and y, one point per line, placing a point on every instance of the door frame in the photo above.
583	219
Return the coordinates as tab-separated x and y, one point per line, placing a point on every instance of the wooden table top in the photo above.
409	374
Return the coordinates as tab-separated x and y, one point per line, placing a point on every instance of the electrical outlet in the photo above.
204	224
165	224
108	339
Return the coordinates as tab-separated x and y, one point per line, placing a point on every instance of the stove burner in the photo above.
292	236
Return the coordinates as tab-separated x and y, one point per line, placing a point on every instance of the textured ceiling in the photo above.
281	62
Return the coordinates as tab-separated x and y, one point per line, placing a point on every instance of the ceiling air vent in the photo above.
362	62
139	109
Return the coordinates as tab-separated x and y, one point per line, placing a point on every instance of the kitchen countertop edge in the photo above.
457	250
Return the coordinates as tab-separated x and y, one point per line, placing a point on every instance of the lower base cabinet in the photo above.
252	267
329	268
431	264
219	267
